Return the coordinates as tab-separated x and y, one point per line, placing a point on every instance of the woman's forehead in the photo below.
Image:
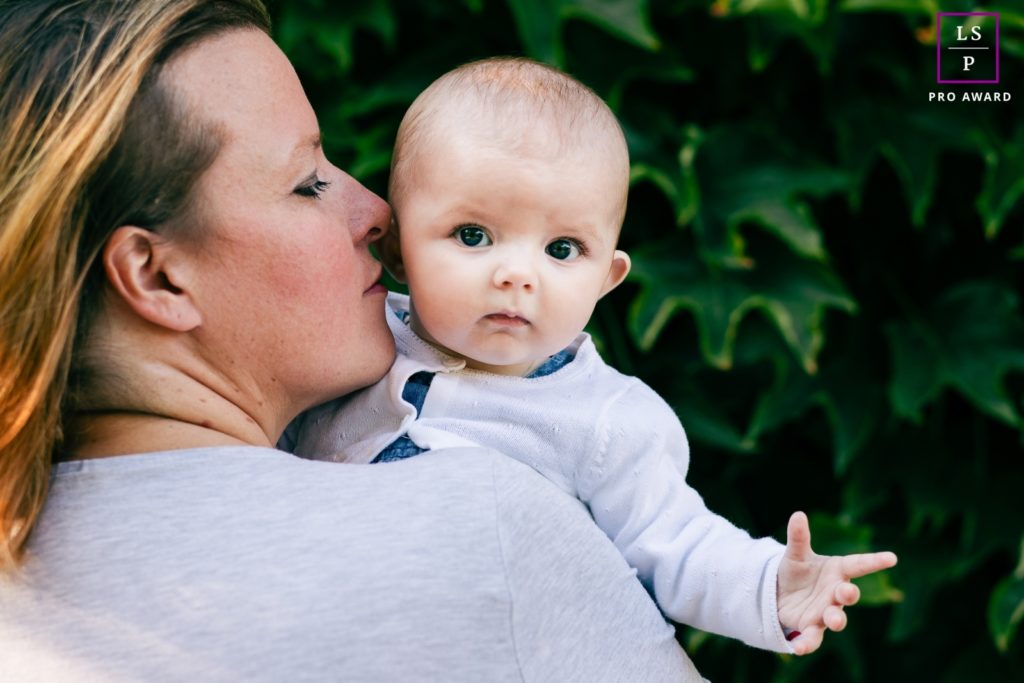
241	84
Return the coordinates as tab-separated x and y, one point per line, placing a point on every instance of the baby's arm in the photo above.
701	569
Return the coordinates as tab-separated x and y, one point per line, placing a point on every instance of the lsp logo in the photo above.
967	47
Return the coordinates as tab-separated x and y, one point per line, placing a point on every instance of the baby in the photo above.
509	183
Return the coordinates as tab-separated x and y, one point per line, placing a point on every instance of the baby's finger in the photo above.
798	538
847	594
809	640
867	563
834	618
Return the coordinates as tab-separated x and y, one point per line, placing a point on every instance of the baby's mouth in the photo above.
509	319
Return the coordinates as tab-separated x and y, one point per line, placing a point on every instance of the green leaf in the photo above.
767	35
744	177
771	23
791	395
901	6
850	392
851	402
970	337
333	31
793	293
627	19
806	10
657	68
674	176
540	23
910	140
1006	606
1004	181
706	423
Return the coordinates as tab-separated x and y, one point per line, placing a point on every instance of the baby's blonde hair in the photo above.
507	94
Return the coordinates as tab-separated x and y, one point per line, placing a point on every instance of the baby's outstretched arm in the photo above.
813	589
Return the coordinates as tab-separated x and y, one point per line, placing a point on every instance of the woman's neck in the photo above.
101	435
147	406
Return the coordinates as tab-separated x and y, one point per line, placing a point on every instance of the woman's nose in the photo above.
369	215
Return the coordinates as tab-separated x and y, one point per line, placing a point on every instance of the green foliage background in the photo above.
826	285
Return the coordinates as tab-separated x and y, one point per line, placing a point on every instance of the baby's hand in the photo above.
813	589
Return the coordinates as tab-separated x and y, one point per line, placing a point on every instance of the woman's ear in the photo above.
148	273
617	272
390	251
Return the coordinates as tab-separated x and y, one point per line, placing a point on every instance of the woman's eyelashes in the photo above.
313	189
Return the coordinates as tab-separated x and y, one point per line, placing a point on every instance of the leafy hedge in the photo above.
826	284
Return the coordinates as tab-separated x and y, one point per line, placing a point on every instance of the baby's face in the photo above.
506	253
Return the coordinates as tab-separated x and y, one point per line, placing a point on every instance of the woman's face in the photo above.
281	270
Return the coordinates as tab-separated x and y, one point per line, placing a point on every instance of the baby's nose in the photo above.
515	274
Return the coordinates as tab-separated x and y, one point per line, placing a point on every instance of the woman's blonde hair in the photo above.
89	141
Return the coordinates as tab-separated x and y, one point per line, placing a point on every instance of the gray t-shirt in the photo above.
248	564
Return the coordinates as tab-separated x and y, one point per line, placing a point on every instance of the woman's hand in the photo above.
813	589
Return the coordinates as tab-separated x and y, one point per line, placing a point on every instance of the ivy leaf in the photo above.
334	31
793	293
674	176
627	19
646	67
1011	23
540	23
852	405
771	23
970	337
1006	606
806	10
1004	181
911	141
927	566
705	423
929	7
768	35
745	177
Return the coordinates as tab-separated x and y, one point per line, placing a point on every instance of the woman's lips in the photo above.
376	287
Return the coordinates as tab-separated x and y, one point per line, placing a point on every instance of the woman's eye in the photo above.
472	236
313	190
564	250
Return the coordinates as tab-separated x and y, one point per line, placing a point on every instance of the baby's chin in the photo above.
504	363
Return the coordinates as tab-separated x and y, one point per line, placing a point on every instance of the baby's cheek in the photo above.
569	322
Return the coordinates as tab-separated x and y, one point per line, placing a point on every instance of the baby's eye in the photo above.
472	236
564	249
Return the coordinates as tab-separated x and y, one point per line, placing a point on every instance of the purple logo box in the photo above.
938	43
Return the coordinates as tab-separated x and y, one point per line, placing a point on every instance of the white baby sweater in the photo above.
601	436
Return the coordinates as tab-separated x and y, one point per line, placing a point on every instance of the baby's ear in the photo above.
617	272
390	252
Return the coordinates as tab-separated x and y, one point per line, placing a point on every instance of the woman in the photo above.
182	273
